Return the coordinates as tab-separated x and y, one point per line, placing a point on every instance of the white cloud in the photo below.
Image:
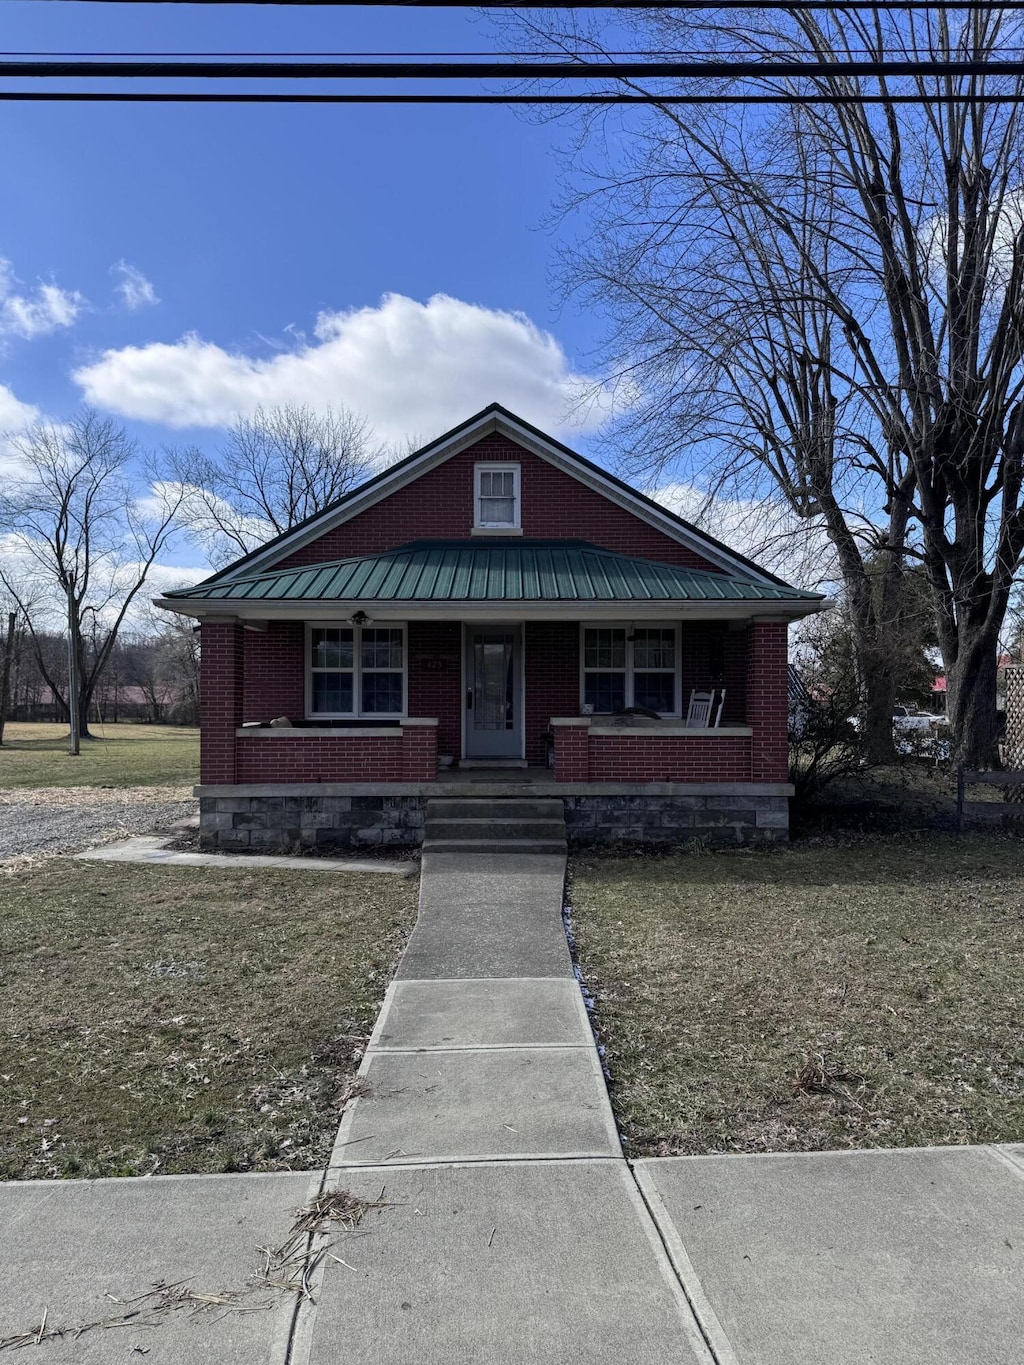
29	315
15	416
762	529
411	368
20	558
135	289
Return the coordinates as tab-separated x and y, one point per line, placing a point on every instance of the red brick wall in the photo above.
672	759
220	700
320	760
274	672
552	679
435	679
439	505
581	757
410	756
768	700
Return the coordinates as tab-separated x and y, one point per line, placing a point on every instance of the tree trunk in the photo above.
971	697
5	678
878	698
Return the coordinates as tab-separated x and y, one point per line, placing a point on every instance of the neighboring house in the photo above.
494	601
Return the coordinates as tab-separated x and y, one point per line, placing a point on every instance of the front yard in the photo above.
828	995
36	755
161	1020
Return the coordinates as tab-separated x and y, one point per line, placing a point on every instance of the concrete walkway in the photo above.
506	1227
153	848
513	1224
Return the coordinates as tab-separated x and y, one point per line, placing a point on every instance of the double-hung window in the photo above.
631	666
496	497
356	671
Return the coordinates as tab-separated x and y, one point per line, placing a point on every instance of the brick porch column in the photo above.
419	750
221	677
768	701
572	749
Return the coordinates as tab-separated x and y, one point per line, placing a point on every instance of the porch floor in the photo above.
532	777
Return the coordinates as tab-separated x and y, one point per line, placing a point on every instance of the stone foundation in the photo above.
676	819
254	823
247	818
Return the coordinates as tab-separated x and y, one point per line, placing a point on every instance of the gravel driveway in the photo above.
48	820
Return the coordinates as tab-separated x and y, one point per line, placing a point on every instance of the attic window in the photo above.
496	498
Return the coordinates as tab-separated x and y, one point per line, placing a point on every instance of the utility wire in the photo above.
505	70
608	97
978	7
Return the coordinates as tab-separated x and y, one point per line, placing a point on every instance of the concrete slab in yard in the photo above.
909	1257
498	1104
526	881
530	1263
153	849
69	1243
466	940
545	1012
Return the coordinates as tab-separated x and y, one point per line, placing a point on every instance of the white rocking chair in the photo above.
702	704
698	715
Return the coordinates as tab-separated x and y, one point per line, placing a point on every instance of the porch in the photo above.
526	701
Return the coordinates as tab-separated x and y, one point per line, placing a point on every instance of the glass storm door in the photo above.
492	701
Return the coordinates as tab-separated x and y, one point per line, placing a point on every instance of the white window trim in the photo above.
629	626
504	467
357	671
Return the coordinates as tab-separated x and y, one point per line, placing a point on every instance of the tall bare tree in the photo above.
278	466
81	542
844	279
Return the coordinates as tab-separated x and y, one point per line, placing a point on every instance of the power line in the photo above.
593	97
978	7
503	70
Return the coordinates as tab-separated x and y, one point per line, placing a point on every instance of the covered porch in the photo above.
457	697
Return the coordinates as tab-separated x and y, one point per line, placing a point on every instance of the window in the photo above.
635	666
497	496
356	670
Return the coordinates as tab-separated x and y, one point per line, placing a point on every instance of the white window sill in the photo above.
316	732
671	730
496	531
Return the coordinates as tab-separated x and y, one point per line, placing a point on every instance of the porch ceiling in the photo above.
493	573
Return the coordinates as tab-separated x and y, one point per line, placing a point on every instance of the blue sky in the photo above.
247	224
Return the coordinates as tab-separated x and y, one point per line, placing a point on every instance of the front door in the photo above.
493	700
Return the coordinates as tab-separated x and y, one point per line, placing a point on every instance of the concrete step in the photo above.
494	829
511	808
494	845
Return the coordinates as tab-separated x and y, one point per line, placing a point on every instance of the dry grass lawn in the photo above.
832	994
157	1019
36	755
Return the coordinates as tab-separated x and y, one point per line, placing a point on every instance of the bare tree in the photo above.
836	293
82	541
278	467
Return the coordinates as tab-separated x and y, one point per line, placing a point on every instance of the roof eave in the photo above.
284	609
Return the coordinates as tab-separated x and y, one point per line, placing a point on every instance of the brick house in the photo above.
494	609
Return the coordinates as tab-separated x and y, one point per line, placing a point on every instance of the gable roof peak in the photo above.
490	418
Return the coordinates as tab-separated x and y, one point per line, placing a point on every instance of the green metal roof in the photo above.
492	571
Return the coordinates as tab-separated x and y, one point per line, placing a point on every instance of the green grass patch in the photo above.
828	995
157	1019
36	755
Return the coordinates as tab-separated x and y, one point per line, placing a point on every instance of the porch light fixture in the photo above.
359	618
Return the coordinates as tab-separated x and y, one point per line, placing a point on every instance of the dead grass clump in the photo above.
816	1076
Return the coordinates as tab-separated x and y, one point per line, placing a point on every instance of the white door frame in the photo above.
468	626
